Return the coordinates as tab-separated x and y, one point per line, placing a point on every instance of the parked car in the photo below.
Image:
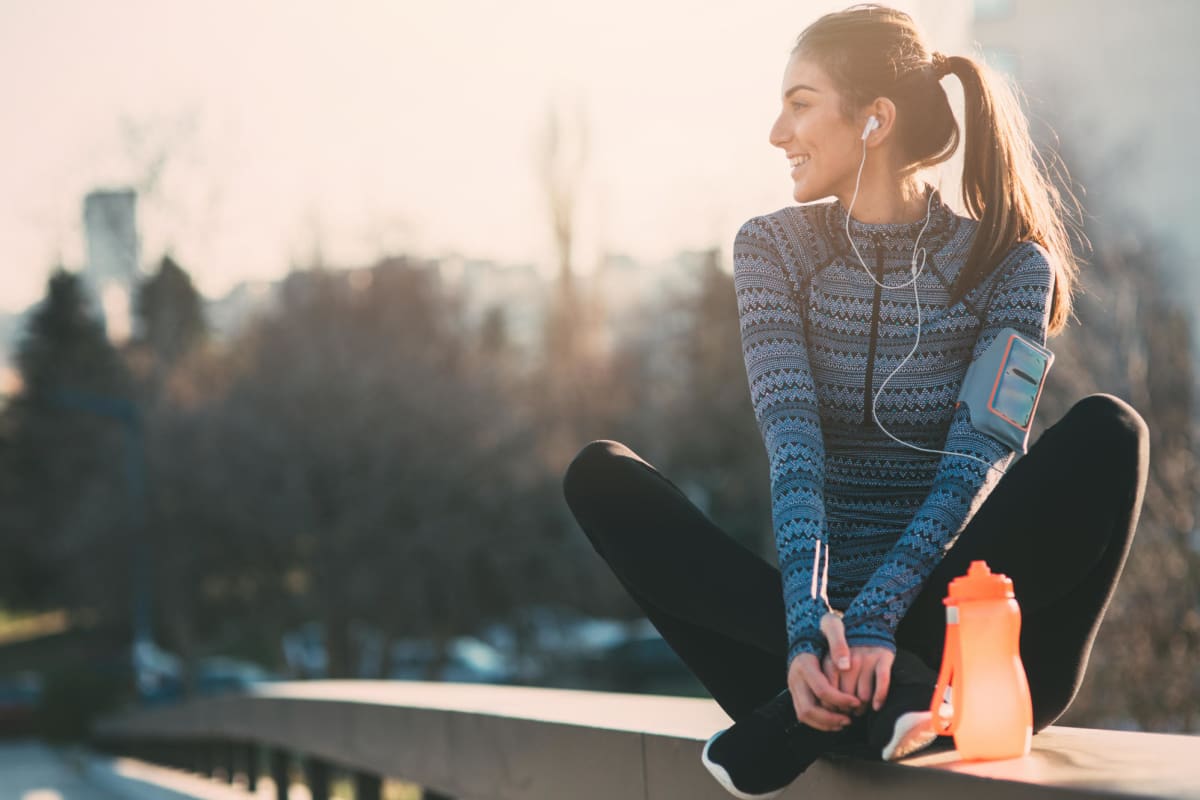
469	660
557	644
642	661
160	675
217	674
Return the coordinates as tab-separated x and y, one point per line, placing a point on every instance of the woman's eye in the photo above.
799	105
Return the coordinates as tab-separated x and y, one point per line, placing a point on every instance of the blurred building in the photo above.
1116	81
113	256
646	303
228	314
517	289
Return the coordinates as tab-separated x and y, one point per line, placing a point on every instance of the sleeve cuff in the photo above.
867	635
805	630
805	646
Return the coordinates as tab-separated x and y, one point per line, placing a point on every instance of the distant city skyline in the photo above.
251	131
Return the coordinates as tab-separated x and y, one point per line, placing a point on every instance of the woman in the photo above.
859	318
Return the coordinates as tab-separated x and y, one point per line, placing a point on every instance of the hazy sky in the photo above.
254	128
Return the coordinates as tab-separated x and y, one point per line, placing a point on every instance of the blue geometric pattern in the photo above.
859	519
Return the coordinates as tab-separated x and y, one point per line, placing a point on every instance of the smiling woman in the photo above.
882	492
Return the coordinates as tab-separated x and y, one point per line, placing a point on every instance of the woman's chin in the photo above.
803	194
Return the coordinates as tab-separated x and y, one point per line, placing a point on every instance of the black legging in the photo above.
1059	523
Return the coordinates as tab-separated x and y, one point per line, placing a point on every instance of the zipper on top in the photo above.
874	333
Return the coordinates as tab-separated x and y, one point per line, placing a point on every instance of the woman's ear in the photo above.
884	110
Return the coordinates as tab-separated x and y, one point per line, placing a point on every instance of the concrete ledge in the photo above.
484	742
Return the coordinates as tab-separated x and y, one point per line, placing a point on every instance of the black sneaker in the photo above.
904	725
762	753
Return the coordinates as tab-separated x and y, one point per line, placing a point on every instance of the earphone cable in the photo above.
916	273
875	400
850	238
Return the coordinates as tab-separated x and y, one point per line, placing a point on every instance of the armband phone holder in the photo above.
1002	387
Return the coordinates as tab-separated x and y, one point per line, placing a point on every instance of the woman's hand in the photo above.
822	699
818	702
863	670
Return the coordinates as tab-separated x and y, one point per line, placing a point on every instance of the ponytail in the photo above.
1006	187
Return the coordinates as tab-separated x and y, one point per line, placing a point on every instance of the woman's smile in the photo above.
797	163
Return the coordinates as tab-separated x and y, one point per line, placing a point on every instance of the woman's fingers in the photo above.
812	714
846	680
830	696
818	703
840	694
829	670
835	634
866	684
849	679
883	674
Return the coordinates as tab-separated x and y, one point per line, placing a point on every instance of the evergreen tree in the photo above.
170	313
65	348
63	448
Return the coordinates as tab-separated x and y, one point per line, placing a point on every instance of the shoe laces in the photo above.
780	710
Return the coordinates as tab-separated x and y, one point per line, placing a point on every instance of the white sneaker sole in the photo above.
914	731
722	776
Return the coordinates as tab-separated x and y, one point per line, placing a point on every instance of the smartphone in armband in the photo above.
1002	387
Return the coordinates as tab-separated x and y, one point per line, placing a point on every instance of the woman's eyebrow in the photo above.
797	88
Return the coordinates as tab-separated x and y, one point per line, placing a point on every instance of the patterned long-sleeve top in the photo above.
861	520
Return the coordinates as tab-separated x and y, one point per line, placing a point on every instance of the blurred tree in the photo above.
572	387
380	458
67	513
679	399
574	391
170	312
523	499
192	544
1143	665
712	447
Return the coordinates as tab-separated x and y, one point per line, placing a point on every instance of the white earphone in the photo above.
873	124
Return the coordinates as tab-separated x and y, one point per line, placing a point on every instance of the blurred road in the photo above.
31	770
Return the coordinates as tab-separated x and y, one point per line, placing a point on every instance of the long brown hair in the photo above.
869	51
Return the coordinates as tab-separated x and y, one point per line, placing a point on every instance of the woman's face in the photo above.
810	125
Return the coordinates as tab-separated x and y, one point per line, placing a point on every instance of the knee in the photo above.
589	468
1107	422
1051	698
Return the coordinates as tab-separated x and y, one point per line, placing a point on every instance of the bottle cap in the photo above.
980	583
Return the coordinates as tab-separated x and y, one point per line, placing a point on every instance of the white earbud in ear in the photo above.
872	124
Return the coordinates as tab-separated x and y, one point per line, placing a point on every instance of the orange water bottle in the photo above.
981	663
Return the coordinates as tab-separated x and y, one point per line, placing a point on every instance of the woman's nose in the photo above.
775	135
779	134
